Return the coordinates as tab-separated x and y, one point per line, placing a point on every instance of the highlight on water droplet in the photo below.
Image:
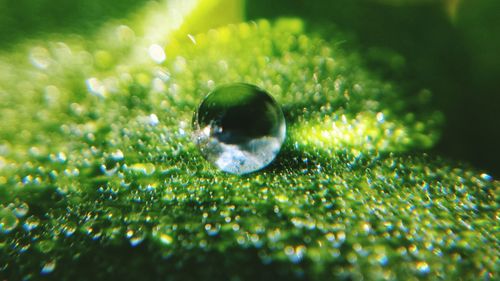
239	128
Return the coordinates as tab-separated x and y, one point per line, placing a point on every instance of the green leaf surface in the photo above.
99	178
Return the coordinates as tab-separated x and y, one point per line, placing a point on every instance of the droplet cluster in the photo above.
98	174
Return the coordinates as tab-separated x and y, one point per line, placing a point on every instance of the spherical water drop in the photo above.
135	235
8	220
69	228
21	210
239	128
31	223
423	268
212	230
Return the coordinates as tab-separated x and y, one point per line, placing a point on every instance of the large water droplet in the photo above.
239	128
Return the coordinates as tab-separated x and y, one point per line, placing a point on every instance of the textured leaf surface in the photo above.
99	178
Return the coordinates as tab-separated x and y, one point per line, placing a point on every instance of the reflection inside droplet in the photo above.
239	128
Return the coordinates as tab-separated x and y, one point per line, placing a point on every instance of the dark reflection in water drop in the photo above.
239	128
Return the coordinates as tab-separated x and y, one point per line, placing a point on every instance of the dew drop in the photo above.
166	239
125	34
40	57
45	246
212	230
117	155
486	177
96	87
162	233
8	220
295	254
157	53
136	240
382	260
423	268
69	229
239	128
31	223
135	235
21	210
144	168
48	267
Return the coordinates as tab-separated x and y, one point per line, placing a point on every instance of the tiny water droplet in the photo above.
295	254
117	155
136	240
212	230
486	177
162	233
135	235
40	57
48	267
239	128
380	117
423	268
157	53
21	210
8	220
31	223
144	168
69	229
45	246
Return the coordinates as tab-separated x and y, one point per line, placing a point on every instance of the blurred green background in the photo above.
449	47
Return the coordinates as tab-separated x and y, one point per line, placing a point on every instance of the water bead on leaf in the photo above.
239	128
